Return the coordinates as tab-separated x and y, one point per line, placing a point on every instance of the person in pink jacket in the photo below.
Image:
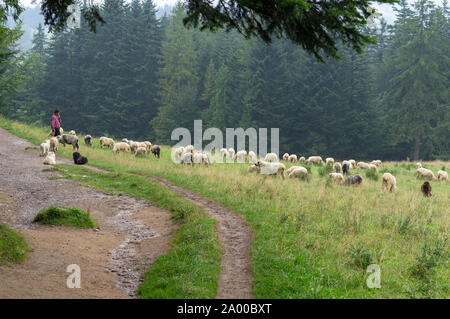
56	123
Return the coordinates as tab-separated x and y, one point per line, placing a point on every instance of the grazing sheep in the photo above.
425	173
156	150
285	157
442	176
329	161
353	180
88	140
224	152
302	159
125	140
348	163
54	143
231	153
373	166
69	139
198	158
50	159
270	168
148	145
178	154
45	148
298	172
121	146
314	160
252	157
72	132
106	141
419	165
389	182
78	159
337	168
205	158
186	158
376	162
363	165
271	158
337	177
290	169
241	156
346	168
352	163
189	149
426	189
134	146
292	158
140	151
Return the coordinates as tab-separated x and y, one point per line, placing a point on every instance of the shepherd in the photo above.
56	123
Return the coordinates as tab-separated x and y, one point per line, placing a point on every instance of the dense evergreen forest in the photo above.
141	76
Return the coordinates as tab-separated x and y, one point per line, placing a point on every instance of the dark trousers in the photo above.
57	132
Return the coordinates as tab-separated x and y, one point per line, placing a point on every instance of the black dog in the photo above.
156	150
78	159
345	168
426	189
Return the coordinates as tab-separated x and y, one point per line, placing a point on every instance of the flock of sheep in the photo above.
271	165
49	147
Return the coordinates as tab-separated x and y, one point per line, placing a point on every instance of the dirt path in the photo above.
131	234
235	281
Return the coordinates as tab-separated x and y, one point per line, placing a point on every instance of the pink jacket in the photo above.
55	122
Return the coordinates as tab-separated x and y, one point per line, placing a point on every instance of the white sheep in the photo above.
271	158
241	156
337	177
121	146
353	163
285	157
298	172
349	165
442	176
314	160
329	161
135	145
376	162
425	173
72	132
50	159
224	152
362	165
178	154
252	157
389	182
198	158
302	159
148	146
186	158
231	153
205	158
189	149
419	165
140	151
54	142
374	167
337	167
292	158
45	148
270	168
290	169
106	141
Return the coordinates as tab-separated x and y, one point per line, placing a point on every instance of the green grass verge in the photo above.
66	216
191	267
13	247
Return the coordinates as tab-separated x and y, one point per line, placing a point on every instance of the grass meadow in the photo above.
313	238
